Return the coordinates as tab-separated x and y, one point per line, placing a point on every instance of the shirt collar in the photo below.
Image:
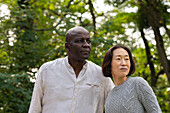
69	66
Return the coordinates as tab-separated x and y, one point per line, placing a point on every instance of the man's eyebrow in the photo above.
85	38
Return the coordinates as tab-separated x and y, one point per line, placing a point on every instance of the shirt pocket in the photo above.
94	86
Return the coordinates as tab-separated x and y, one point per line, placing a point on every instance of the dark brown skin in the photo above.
78	47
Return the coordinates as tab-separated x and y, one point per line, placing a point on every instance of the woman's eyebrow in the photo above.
121	55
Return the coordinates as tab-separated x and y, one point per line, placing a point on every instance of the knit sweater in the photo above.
132	96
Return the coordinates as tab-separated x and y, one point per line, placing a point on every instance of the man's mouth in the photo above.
85	52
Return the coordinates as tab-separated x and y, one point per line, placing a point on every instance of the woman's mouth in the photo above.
123	69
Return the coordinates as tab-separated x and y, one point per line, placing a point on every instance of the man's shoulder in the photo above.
95	70
97	75
52	64
92	65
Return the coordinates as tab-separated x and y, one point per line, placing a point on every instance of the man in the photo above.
71	84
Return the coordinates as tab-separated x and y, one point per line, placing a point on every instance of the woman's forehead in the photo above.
120	52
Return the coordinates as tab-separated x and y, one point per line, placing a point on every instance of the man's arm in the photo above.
36	101
108	86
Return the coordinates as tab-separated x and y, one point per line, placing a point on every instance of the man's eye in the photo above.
79	41
88	41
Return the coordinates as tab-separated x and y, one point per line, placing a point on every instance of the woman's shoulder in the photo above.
138	79
141	83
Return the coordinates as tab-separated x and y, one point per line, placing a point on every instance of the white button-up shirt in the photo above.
57	90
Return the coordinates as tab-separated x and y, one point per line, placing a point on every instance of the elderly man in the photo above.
71	84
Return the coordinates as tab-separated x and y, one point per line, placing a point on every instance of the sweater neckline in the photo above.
121	85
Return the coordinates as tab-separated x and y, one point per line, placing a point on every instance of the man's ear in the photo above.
66	47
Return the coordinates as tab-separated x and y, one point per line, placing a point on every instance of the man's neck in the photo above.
77	66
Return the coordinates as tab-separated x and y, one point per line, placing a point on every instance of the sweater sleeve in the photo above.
147	97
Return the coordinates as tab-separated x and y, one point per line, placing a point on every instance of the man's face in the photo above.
79	46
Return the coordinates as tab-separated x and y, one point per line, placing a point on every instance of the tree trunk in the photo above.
153	20
149	57
167	30
160	16
161	51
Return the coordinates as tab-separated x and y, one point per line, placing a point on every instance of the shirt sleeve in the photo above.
147	97
108	86
36	101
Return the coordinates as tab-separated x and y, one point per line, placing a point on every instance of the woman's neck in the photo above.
119	80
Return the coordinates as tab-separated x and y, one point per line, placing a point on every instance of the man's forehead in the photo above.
77	32
80	36
77	29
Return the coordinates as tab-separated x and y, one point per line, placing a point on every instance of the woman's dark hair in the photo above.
106	65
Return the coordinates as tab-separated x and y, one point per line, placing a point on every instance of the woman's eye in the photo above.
117	58
127	59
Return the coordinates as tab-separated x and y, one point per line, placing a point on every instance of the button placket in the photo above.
74	97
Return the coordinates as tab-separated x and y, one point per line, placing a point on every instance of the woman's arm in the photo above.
147	97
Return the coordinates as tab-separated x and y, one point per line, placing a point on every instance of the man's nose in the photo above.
86	44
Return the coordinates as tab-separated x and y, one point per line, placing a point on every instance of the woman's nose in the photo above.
123	62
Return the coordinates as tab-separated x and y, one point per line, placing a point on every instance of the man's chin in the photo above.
83	58
86	56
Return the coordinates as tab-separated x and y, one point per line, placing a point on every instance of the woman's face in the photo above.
120	65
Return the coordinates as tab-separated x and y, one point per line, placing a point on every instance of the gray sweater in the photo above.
133	96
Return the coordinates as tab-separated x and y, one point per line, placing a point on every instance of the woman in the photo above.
130	94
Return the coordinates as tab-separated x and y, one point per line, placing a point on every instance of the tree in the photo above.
152	10
34	33
15	92
40	25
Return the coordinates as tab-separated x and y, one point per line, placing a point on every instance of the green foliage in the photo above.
34	33
162	83
163	94
15	92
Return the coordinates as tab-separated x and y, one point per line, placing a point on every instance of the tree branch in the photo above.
93	15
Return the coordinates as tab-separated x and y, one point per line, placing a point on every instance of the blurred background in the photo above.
32	32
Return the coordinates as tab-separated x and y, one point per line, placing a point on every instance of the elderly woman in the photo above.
130	94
